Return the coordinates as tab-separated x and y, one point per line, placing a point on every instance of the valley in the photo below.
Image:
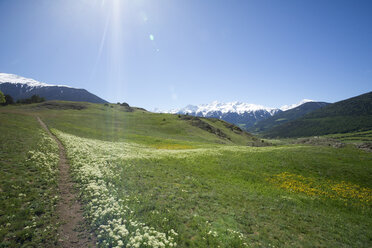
162	180
185	124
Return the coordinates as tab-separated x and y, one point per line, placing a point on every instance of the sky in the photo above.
170	53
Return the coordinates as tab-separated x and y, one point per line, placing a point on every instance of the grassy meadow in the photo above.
28	183
160	180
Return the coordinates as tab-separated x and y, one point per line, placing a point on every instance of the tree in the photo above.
37	99
8	100
124	104
32	99
2	97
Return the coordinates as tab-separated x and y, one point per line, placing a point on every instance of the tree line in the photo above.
8	99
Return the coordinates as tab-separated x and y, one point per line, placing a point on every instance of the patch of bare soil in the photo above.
366	146
72	232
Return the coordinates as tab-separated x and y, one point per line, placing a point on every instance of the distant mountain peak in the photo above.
20	88
15	79
292	106
242	114
228	107
350	115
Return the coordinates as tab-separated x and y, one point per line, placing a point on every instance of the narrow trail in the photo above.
72	232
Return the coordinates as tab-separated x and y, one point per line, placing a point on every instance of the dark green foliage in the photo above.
8	100
2	97
124	104
354	114
286	116
125	107
61	105
32	99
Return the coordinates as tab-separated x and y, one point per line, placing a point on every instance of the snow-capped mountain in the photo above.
282	117
231	107
243	114
292	106
20	88
15	79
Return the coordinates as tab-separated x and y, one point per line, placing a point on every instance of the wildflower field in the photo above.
220	196
146	182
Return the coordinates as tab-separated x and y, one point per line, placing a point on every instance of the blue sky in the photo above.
170	53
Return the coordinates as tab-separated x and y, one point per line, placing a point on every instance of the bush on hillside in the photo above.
2	97
8	100
32	99
124	104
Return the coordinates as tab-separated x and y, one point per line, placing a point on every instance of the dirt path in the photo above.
72	232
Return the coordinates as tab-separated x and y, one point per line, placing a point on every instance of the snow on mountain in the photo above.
292	106
223	108
242	114
15	79
21	88
229	107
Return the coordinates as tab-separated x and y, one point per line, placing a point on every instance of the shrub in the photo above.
32	99
8	100
2	97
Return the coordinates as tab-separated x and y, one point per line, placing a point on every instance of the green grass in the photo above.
230	191
354	137
113	124
160	171
209	194
27	185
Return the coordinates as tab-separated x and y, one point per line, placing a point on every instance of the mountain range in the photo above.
286	116
350	115
20	88
306	118
245	115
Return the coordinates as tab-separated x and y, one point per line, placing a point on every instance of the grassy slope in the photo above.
286	116
113	124
231	190
27	187
351	115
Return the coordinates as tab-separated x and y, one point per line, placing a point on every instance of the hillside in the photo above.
115	122
163	180
21	88
350	115
286	116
